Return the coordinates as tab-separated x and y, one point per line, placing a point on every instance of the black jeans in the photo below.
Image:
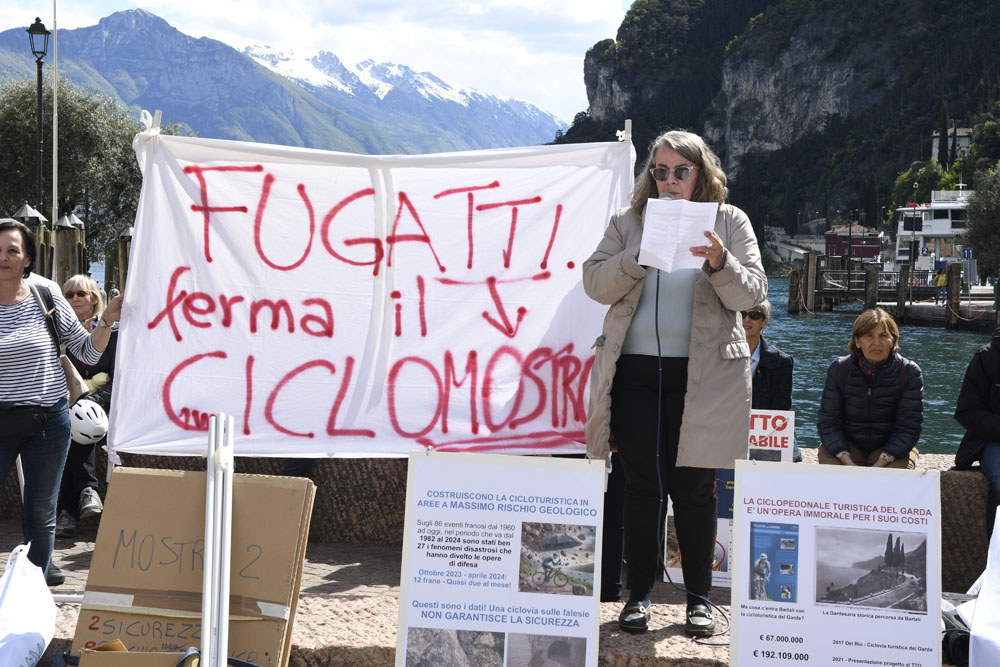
634	410
79	473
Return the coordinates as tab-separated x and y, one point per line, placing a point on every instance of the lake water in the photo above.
815	340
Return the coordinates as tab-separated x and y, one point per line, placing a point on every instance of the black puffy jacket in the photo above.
978	406
889	414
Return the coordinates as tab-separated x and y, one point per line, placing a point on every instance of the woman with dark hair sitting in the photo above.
872	407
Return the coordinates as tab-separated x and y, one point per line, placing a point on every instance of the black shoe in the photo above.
699	620
635	617
55	576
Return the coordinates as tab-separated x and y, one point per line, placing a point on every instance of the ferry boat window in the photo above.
913	223
941	214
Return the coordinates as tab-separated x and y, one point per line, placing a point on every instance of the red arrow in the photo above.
503	327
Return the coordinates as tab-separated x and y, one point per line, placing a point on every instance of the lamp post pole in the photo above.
39	38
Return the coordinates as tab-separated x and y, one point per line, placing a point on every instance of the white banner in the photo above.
362	305
500	561
836	564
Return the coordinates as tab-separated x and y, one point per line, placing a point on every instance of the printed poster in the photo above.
499	561
772	434
835	564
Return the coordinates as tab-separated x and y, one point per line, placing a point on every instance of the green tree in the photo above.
942	151
983	231
99	178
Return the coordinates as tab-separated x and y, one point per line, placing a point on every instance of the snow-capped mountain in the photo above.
261	95
391	91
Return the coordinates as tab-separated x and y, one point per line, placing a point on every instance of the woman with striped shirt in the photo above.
34	403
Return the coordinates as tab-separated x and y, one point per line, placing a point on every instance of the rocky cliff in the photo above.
812	106
768	101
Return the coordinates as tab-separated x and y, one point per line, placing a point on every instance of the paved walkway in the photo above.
349	600
348	606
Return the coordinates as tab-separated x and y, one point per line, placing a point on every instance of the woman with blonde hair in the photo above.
672	359
78	495
872	407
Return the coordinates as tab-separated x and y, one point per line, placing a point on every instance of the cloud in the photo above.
516	48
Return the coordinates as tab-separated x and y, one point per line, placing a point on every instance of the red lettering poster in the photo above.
360	305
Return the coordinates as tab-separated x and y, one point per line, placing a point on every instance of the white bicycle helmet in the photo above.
89	422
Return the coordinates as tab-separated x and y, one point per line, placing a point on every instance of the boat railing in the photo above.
837	280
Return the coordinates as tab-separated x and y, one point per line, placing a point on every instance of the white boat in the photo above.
936	229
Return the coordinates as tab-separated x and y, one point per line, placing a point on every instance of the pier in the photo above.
818	283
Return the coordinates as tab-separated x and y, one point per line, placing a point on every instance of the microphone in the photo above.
666	195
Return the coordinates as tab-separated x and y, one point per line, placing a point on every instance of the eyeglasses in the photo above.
752	314
681	173
80	293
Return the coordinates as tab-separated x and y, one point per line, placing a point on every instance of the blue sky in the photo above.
528	49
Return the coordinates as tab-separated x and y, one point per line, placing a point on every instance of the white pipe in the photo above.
225	467
208	549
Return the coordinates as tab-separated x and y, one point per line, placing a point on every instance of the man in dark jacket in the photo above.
771	368
978	410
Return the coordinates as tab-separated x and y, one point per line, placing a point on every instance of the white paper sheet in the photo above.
671	228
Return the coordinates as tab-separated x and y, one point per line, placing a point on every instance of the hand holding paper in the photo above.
674	235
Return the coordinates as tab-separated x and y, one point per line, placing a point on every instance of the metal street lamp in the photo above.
39	38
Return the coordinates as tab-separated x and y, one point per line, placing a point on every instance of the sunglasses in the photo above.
681	173
752	314
80	293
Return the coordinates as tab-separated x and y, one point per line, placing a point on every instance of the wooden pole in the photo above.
795	287
952	295
904	281
811	281
871	285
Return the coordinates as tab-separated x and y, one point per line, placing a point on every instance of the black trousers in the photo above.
634	409
79	473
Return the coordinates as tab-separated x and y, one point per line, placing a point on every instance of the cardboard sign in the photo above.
362	305
146	573
499	560
836	564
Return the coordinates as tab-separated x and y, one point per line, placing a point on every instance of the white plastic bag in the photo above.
27	611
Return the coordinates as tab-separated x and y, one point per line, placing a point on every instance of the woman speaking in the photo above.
670	386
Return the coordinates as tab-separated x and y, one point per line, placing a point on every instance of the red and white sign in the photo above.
362	305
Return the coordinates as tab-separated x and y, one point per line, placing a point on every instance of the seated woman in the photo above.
78	497
872	406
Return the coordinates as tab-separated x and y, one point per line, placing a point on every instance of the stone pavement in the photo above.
349	600
348	605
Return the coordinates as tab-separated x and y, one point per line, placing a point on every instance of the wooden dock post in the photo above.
795	287
810	285
904	281
871	285
952	295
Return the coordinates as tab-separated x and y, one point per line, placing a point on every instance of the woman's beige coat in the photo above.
716	422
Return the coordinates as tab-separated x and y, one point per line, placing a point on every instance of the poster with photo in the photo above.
835	564
772	433
499	560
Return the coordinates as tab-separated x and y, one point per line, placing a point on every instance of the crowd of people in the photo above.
677	350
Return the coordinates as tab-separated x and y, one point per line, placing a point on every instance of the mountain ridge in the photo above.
217	91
